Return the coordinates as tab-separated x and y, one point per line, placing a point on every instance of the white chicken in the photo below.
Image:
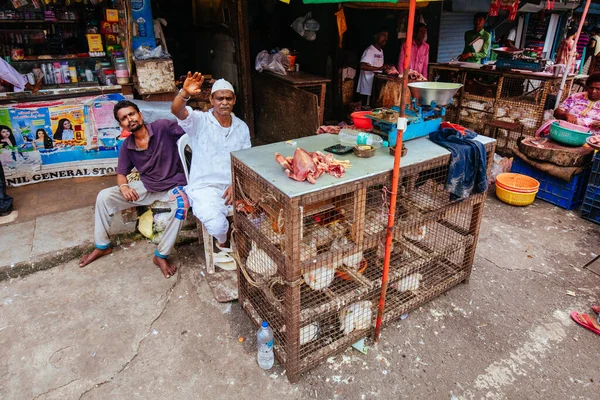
320	278
260	263
352	261
309	333
308	251
375	222
410	283
323	234
418	234
356	316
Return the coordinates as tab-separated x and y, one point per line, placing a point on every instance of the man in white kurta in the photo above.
214	135
370	63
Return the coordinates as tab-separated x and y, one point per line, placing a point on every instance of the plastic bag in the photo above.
501	165
144	53
160	221
306	27
277	63
298	24
145	224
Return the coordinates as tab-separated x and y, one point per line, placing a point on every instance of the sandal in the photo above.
585	321
223	249
224	261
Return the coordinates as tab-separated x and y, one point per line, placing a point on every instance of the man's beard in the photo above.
137	128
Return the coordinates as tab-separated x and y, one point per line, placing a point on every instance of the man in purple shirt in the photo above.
152	150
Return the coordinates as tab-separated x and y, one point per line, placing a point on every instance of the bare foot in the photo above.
97	253
167	269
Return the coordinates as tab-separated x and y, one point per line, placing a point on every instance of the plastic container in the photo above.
517	182
567	195
590	208
570	137
121	71
58	77
361	121
353	137
110	79
514	198
73	73
89	76
65	72
595	173
264	341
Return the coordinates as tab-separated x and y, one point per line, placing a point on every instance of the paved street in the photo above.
118	330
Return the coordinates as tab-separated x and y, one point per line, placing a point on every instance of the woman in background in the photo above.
42	140
565	49
64	131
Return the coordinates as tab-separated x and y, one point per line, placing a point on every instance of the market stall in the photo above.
524	98
78	56
312	254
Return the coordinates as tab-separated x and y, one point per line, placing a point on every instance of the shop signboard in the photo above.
73	138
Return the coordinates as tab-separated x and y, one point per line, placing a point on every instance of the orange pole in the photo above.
389	236
571	58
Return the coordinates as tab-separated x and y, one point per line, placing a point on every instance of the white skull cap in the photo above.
221	84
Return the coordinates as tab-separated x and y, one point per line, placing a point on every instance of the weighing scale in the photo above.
424	113
514	59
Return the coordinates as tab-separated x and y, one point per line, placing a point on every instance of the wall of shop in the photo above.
453	26
269	27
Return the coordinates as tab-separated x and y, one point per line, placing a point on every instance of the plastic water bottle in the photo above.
353	137
264	339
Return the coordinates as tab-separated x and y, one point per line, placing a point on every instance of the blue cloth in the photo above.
468	163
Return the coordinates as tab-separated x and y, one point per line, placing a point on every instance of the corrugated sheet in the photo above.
453	26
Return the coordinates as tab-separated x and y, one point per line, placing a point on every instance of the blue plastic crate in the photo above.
595	174
567	195
590	208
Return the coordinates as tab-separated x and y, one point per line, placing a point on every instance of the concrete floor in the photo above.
51	197
53	217
117	329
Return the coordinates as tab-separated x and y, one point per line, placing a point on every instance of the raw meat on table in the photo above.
309	166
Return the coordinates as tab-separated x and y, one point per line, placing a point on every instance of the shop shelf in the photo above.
37	21
567	195
590	208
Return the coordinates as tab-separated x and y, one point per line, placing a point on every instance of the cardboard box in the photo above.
94	42
112	15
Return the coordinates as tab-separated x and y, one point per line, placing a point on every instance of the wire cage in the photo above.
312	265
489	97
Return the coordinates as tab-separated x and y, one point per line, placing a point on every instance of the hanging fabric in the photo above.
512	6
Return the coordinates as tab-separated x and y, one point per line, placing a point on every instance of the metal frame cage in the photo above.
312	265
501	96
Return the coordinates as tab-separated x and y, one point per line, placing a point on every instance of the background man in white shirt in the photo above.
371	62
214	135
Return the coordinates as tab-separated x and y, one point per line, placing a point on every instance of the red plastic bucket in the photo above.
361	121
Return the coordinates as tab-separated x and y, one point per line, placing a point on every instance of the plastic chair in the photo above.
207	239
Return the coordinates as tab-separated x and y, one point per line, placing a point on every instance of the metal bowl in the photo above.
438	93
